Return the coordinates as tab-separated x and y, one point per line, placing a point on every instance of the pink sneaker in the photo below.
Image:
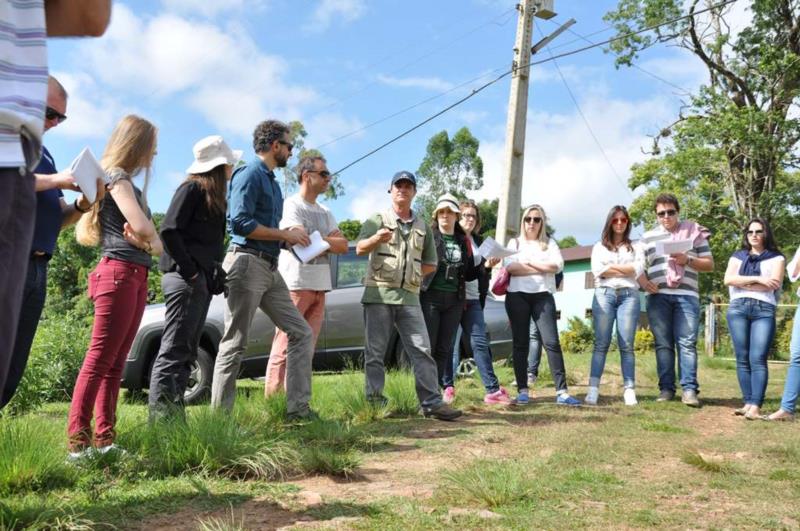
449	395
498	397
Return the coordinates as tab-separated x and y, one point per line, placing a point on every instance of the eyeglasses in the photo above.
620	221
755	232
469	216
534	219
52	114
667	213
287	144
325	174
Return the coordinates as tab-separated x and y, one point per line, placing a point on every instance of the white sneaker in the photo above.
102	450
629	395
76	457
591	396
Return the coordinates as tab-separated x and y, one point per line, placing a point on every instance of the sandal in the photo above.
780	416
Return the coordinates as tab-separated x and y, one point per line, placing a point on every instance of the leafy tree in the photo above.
350	228
567	242
731	152
488	208
298	134
450	166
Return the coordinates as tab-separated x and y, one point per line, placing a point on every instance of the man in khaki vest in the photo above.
401	251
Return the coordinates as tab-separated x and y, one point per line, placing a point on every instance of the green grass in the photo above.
544	466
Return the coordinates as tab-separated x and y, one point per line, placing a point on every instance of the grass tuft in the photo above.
714	466
230	523
488	483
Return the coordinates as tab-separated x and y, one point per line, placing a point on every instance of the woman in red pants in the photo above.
122	226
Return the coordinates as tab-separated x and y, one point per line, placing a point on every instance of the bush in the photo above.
644	341
56	357
578	338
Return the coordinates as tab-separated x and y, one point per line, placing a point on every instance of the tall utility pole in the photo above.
511	184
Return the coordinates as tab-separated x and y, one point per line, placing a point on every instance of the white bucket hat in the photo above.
449	202
210	152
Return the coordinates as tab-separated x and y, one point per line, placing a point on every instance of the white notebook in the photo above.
86	171
316	248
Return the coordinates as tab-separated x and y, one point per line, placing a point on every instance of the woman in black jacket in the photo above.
472	321
193	233
443	292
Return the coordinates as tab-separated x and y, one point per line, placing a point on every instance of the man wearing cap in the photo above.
255	208
52	214
401	252
307	282
193	234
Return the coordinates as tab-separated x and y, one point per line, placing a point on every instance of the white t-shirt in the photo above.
315	275
531	251
602	258
768	268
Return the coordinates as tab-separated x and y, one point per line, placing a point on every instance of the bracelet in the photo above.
79	209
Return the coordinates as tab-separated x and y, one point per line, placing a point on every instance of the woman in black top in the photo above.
443	296
193	233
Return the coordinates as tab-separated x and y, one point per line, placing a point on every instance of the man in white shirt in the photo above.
307	282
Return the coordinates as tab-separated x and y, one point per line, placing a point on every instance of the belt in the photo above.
271	260
40	255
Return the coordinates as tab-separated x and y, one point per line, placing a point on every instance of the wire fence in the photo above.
717	340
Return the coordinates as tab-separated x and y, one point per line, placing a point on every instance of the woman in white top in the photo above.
616	264
754	277
791	389
530	295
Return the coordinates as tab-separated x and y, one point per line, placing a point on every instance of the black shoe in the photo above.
378	401
442	412
665	395
308	416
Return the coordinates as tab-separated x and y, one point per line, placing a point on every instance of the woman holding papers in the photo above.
121	224
791	389
616	264
754	277
193	234
530	296
443	292
472	322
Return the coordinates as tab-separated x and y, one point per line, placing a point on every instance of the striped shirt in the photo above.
23	78
657	264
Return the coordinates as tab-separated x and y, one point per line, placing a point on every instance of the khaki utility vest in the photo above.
398	263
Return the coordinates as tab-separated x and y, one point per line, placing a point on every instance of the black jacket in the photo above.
483	274
192	235
467	270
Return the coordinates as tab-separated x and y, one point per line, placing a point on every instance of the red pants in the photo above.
312	305
119	291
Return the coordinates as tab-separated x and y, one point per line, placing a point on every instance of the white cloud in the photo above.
370	198
329	10
682	68
325	127
427	83
211	8
564	169
92	112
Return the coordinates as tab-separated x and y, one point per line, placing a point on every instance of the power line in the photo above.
528	65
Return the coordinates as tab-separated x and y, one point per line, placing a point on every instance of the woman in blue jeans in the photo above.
616	264
754	277
791	388
472	322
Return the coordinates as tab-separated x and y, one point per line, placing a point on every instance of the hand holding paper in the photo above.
87	171
307	253
667	247
491	249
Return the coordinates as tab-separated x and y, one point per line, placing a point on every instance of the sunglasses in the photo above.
52	114
324	173
620	221
287	144
532	219
667	213
755	232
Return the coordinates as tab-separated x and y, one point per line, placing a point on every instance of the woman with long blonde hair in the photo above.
530	296
123	227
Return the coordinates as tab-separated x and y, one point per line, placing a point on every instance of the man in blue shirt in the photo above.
52	213
255	207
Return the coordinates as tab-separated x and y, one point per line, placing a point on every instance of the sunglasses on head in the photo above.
52	114
532	219
666	213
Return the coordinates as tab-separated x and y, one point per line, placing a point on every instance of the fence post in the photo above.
711	329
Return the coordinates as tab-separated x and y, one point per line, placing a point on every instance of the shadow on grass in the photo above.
329	511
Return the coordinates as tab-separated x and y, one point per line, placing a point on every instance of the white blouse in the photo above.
791	266
602	258
531	251
767	270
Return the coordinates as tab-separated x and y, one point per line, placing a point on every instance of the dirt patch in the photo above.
253	514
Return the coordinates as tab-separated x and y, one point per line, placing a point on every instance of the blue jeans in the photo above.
534	351
473	324
752	326
674	320
792	386
609	305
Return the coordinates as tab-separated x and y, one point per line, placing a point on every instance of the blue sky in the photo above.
218	67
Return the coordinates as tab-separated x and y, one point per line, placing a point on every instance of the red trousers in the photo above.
119	291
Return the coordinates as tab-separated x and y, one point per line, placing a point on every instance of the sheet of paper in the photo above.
667	247
316	248
491	249
86	171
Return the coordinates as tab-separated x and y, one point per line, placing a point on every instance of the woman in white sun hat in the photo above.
193	233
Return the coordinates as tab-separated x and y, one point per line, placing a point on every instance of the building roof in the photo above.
579	252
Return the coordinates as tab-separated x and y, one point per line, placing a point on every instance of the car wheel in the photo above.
200	375
466	368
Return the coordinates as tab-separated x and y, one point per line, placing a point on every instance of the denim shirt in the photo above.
254	198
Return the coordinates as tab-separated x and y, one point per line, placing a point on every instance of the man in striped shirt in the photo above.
24	26
673	302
